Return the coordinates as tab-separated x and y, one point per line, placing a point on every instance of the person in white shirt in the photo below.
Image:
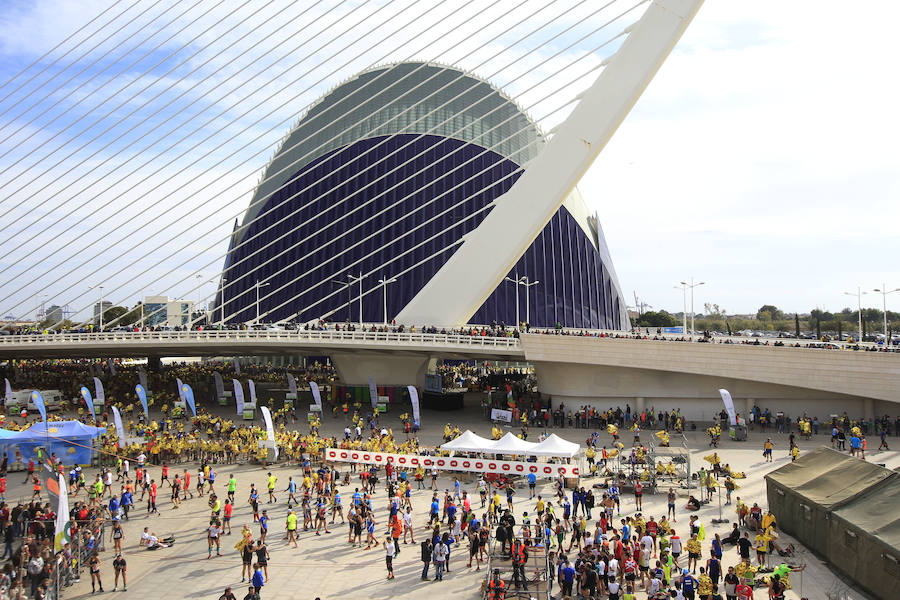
141	458
388	544
612	570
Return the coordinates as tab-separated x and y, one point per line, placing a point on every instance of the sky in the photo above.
760	160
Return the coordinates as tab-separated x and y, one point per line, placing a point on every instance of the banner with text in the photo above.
98	391
238	396
498	414
414	399
373	393
270	428
86	394
220	386
445	463
38	402
292	384
142	396
729	405
120	430
188	393
317	395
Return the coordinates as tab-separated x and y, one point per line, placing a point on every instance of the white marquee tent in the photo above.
555	446
510	444
469	442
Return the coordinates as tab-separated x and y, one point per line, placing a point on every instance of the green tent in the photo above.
864	539
802	494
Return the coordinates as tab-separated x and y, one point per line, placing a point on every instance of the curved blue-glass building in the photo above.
381	179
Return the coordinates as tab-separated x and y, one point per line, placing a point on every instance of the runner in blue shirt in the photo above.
435	509
263	526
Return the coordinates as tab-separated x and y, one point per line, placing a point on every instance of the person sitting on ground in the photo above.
693	504
734	536
154	543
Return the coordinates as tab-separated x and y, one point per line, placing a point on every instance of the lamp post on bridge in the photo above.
685	286
859	294
527	285
884	294
351	279
523	280
258	285
384	283
100	316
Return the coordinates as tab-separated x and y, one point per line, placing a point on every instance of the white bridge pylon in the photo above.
526	208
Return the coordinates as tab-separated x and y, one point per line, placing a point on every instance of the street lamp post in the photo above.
692	285
527	285
100	319
222	306
349	301
516	281
884	293
384	283
359	278
523	280
257	286
859	294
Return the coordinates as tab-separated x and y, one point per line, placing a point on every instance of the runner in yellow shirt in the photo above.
291	524
271	485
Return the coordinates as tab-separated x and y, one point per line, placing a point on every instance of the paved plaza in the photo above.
328	567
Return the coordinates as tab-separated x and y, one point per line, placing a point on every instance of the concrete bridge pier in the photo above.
386	369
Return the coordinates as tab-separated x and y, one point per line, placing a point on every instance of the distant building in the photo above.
106	306
54	314
415	155
161	311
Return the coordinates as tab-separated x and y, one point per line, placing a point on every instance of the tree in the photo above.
797	324
714	310
769	312
111	316
656	319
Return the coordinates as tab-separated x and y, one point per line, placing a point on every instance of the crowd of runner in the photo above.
597	548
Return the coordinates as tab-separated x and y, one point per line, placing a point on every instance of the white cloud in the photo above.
762	159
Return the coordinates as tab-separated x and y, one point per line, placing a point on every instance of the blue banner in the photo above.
142	394
86	394
38	401
189	398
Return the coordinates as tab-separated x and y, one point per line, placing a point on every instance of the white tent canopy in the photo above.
555	446
469	442
510	444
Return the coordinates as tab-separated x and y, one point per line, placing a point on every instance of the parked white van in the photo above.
52	399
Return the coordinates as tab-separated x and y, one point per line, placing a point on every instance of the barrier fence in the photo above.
453	463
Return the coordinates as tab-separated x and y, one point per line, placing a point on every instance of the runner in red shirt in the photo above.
226	521
151	500
187	485
744	591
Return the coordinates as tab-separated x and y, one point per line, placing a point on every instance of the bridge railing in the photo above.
269	335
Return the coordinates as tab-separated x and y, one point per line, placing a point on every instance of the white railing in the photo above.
267	335
649	333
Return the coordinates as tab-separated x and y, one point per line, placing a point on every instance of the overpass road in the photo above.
569	366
